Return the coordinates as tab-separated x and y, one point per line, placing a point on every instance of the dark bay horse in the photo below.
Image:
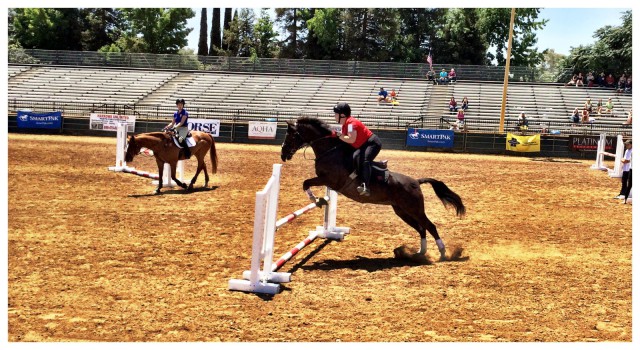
165	151
334	164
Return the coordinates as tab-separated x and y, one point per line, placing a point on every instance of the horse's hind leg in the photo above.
421	224
200	167
173	175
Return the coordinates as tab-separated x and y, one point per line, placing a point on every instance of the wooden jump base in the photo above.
264	228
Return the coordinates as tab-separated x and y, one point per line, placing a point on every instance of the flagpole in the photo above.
506	72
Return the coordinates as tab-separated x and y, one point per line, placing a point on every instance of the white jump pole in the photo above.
265	226
121	164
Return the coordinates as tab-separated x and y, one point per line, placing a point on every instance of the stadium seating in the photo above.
548	106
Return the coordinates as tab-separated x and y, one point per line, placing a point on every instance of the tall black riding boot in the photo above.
366	177
187	151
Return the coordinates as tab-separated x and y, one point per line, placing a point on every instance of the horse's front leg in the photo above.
306	187
172	165
160	175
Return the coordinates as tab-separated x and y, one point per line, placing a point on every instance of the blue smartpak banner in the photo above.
430	138
50	120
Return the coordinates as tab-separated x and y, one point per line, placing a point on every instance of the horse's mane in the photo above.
315	123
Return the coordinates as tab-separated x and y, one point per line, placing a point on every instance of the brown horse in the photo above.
165	151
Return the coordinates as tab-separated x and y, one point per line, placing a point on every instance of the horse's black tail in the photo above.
448	197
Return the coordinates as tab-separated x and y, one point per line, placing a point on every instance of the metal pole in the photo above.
506	72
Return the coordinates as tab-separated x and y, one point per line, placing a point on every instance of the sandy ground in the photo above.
93	256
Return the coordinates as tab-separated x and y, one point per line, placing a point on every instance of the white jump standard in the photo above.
264	228
121	164
599	164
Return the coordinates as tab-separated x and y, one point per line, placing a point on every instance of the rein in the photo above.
304	152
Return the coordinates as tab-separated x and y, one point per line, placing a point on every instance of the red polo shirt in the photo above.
363	132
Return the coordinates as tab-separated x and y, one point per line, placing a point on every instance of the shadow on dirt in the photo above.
551	160
175	192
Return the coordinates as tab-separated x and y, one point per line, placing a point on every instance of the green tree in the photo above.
160	30
418	32
240	36
494	23
226	26
460	41
326	26
265	35
203	49
101	27
288	19
47	28
610	53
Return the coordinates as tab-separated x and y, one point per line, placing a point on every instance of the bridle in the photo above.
310	144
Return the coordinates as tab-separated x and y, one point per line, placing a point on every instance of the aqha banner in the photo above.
262	130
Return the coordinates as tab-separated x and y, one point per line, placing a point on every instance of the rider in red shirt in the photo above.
366	143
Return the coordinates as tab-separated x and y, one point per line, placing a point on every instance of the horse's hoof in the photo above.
156	192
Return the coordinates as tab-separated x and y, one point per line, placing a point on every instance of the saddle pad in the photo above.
190	142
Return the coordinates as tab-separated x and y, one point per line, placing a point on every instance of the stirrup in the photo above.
363	190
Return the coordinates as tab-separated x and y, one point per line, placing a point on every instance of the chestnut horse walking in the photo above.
165	151
334	164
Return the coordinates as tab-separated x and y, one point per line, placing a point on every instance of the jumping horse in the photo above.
334	164
165	151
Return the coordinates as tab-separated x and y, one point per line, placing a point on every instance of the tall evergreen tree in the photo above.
226	26
289	21
216	35
202	42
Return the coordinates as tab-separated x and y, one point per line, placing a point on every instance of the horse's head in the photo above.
305	131
132	149
292	142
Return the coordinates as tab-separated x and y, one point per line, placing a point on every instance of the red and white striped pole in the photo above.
290	254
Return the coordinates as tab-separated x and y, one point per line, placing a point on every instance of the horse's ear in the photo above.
290	125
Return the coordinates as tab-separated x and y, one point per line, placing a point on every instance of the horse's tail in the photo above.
448	197
214	156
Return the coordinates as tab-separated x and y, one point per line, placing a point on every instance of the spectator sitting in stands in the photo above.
460	122
590	79
431	76
572	81
465	104
523	123
628	86
575	117
599	106
609	106
622	83
382	95
452	76
443	77
602	80
610	80
629	118
453	105
588	106
393	96
580	80
585	116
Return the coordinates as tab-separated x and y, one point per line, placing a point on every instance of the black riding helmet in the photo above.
342	108
181	100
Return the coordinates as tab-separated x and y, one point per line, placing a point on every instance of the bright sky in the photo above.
567	27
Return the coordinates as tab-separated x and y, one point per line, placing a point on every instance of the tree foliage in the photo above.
161	30
216	35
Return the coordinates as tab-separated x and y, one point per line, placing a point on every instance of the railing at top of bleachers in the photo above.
265	65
